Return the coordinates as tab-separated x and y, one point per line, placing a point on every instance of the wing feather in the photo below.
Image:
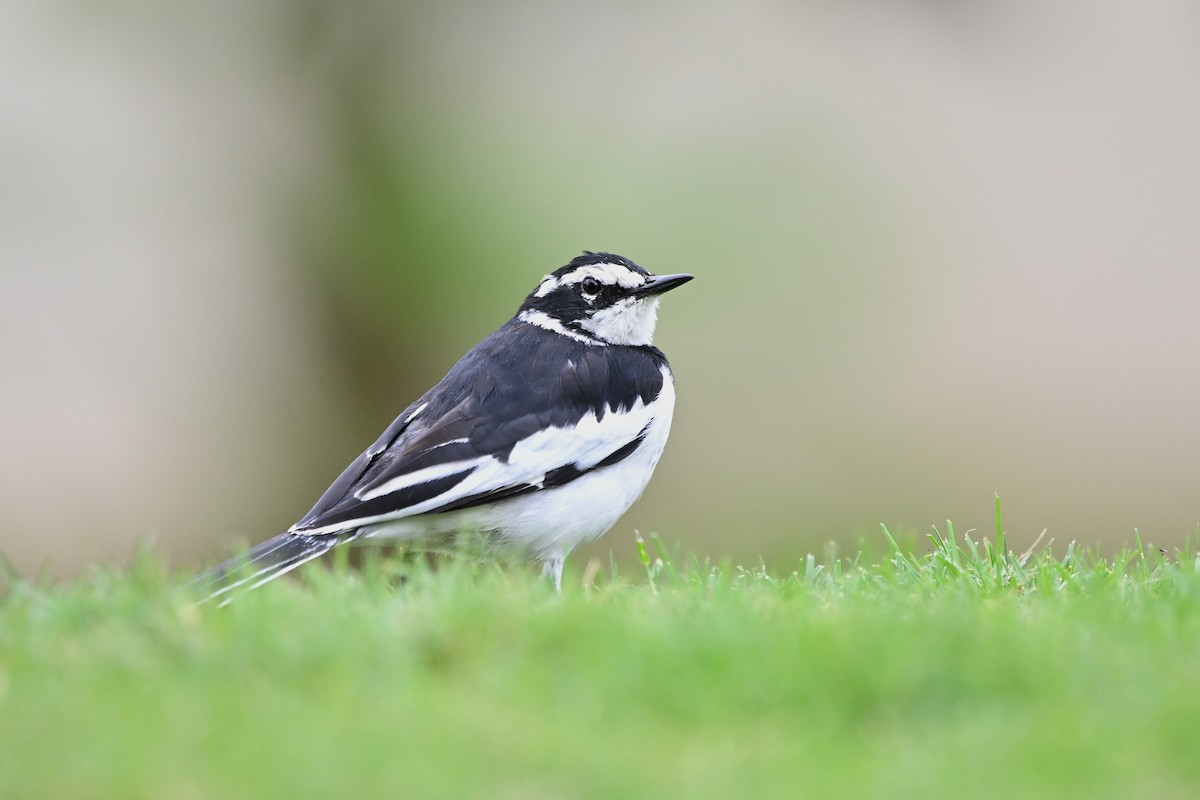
483	434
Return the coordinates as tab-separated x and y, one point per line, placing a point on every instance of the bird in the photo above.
538	439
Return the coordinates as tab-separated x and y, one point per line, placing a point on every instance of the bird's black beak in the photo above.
657	284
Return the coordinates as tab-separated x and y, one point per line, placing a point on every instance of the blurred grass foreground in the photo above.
966	670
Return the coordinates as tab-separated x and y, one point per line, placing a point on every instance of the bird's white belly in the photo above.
554	521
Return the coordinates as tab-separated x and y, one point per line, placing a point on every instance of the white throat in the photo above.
628	322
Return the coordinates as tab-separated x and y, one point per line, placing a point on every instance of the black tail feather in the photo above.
264	562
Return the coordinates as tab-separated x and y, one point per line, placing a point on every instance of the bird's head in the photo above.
600	297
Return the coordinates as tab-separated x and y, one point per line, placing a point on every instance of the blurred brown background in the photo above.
944	250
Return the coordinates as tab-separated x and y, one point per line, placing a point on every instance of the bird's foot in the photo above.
553	568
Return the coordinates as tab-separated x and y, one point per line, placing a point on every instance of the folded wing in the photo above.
462	446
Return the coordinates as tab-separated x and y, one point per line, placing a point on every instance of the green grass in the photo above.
961	670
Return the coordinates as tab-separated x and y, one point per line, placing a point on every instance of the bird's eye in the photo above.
590	285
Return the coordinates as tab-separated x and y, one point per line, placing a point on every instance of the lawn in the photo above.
950	669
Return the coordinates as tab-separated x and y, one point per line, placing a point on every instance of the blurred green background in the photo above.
943	250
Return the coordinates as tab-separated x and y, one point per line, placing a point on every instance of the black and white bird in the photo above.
539	438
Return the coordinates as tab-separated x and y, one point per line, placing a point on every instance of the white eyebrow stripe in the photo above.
609	274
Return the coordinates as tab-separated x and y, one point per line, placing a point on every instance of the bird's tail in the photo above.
264	562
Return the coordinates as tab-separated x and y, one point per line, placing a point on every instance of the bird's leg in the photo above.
552	568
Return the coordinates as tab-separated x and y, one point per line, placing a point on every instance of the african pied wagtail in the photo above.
541	436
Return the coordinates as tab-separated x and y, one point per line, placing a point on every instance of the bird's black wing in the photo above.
513	416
